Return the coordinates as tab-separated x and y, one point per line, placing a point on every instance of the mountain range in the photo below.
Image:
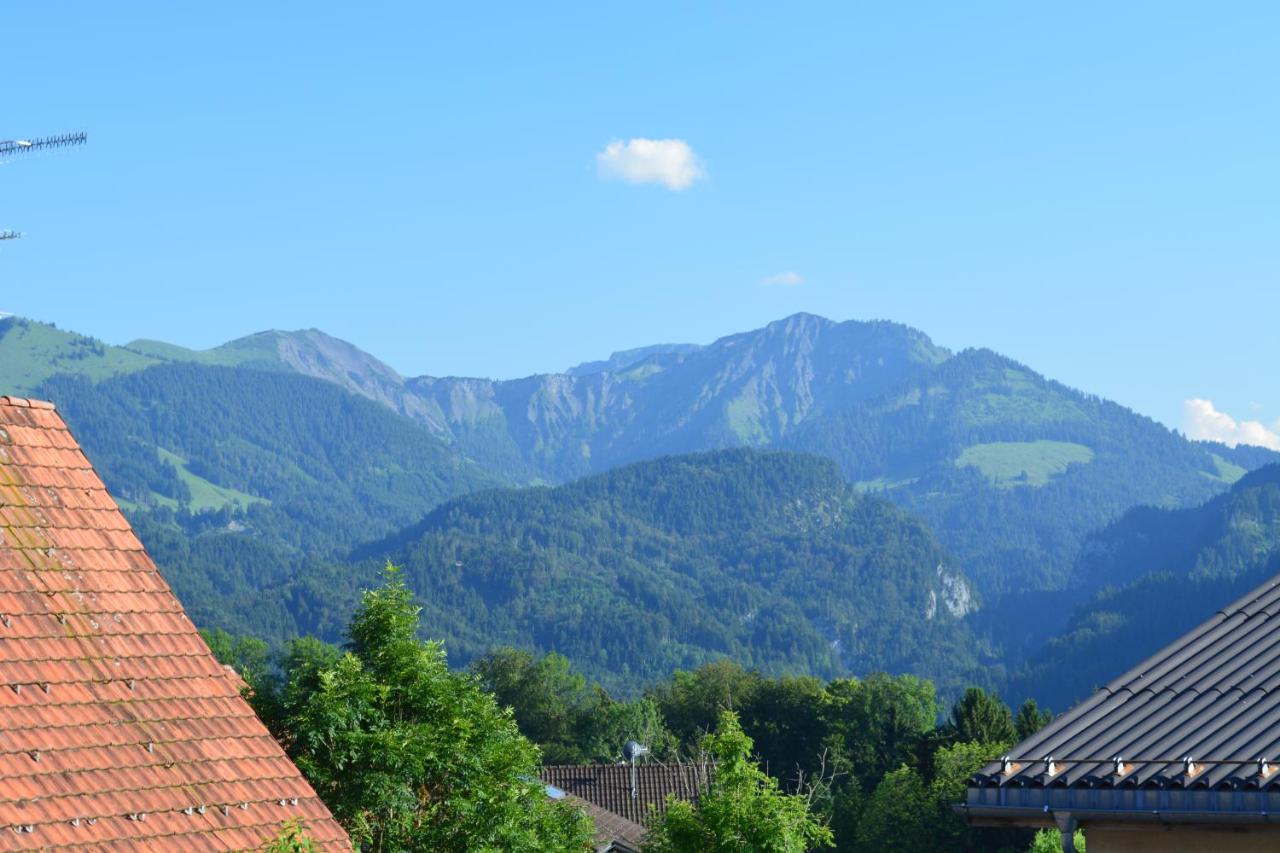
307	447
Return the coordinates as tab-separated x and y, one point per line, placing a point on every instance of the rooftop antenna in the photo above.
631	750
12	147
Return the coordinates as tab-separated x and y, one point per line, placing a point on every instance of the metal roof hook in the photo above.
1120	768
1006	764
1051	765
1189	765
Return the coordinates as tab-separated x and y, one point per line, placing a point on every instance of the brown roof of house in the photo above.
609	785
1193	728
118	728
614	833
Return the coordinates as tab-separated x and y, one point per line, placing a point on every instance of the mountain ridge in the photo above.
1011	469
766	557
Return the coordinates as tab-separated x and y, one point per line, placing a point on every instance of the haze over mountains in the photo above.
302	446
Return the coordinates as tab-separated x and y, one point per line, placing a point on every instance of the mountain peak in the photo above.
626	359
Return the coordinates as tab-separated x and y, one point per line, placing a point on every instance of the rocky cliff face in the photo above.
747	389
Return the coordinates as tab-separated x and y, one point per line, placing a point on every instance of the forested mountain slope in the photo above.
1162	572
239	479
767	558
1010	469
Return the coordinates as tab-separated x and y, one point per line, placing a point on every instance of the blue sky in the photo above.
1091	188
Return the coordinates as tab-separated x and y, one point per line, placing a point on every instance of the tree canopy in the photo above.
409	755
743	812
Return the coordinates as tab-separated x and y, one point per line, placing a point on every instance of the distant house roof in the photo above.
614	833
1192	734
118	728
609	785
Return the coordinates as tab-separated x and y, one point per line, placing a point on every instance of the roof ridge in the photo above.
25	403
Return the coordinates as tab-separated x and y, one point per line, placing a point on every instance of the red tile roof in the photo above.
118	728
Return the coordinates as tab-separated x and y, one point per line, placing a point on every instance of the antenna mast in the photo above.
13	147
28	146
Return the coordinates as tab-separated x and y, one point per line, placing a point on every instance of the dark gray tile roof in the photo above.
609	785
1203	713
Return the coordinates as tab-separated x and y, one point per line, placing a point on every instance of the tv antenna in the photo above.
13	147
10	147
631	750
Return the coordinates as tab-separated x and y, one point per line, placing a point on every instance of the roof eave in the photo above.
1036	818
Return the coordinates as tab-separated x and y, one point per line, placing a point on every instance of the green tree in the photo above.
248	656
952	766
605	724
1030	719
570	723
787	721
744	810
545	694
292	838
410	756
898	816
908	811
1050	841
980	717
878	722
691	702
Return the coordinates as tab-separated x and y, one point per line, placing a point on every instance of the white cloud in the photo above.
787	278
670	162
1203	421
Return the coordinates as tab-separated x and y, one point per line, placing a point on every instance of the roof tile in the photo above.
609	785
118	728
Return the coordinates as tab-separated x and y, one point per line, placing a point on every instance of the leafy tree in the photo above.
786	718
692	702
605	724
744	810
978	716
1030	719
543	693
952	766
897	816
908	810
1050	841
570	723
248	656
410	756
292	838
879	722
